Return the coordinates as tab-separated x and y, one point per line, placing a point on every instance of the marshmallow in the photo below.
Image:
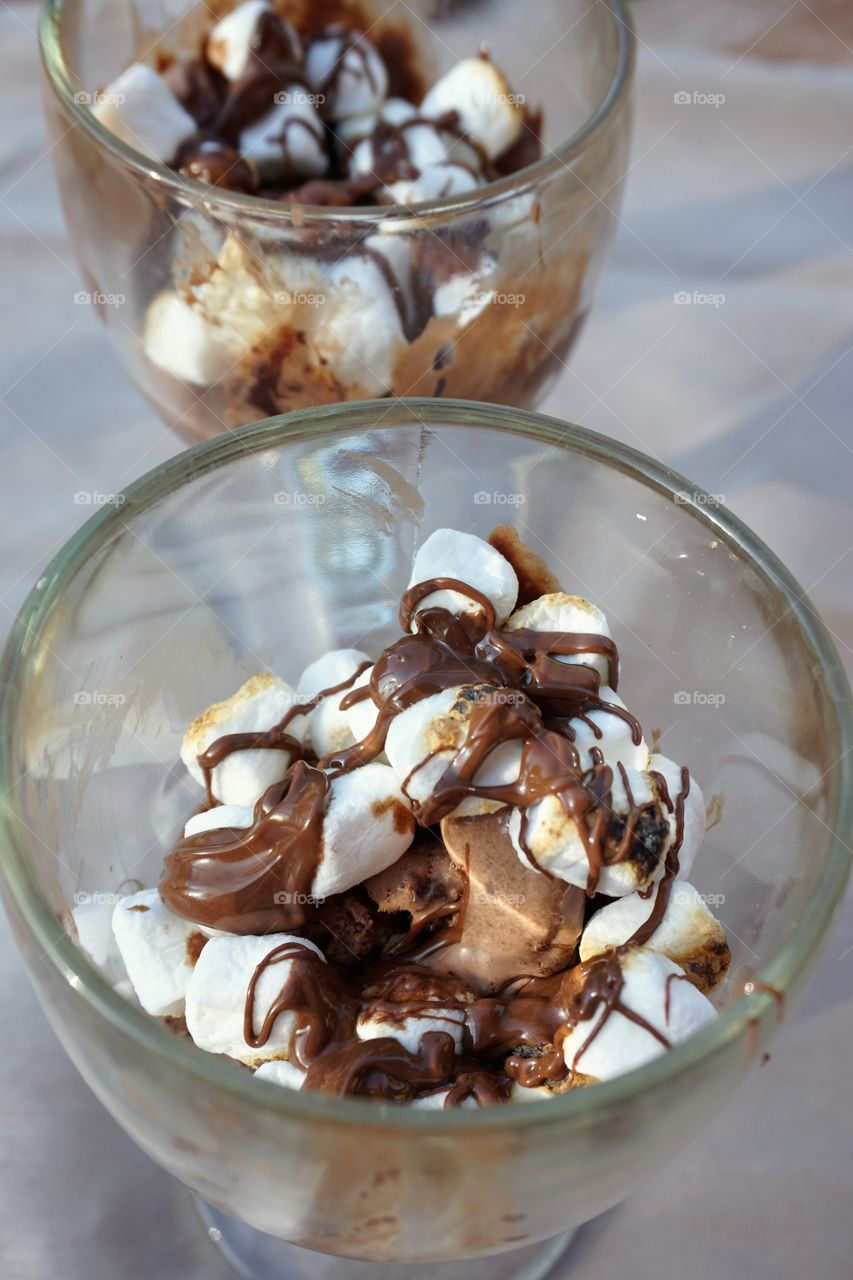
181	342
362	716
287	1074
449	553
621	1045
566	615
159	951
359	333
141	110
409	1030
558	847
688	933
328	727
613	737
217	990
367	826
244	776
93	933
221	815
233	40
482	99
394	111
466	294
425	738
439	182
694	811
436	1102
351	75
289	141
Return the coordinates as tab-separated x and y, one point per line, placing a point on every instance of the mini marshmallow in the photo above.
221	815
466	294
362	716
557	847
622	1045
351	76
280	1072
181	342
436	1102
231	42
244	776
159	951
688	933
289	141
394	111
439	182
611	736
328	727
93	933
565	615
410	1030
426	146
449	553
424	739
141	110
481	97
368	825
216	995
360	329
694	810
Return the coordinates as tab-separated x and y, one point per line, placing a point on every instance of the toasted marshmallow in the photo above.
216	995
368	825
232	41
328	727
141	110
351	75
221	815
556	845
479	94
289	141
243	777
566	615
360	329
658	992
159	951
693	832
93	933
688	933
610	734
425	738
287	1074
449	553
410	1029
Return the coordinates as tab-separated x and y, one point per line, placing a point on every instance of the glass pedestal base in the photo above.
254	1255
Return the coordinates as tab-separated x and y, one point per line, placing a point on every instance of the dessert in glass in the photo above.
236	566
307	204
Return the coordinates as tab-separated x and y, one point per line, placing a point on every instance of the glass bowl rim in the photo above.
225	202
733	1022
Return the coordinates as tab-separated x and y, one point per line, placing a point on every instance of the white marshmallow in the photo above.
354	80
216	995
435	1102
557	847
394	111
438	182
93	933
622	1045
287	1074
289	141
566	615
694	811
367	827
157	950
181	342
426	737
362	716
688	933
410	1030
615	743
466	294
244	776
221	815
449	553
486	107
229	46
328	727
141	110
359	331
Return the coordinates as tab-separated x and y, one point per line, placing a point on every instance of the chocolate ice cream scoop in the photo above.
516	921
425	883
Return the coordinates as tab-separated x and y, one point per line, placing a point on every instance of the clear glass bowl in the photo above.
272	544
525	252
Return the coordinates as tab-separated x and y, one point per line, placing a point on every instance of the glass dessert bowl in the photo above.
235	307
296	536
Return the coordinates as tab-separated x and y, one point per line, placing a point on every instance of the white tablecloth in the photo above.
740	206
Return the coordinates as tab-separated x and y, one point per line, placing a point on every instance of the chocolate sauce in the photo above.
649	927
